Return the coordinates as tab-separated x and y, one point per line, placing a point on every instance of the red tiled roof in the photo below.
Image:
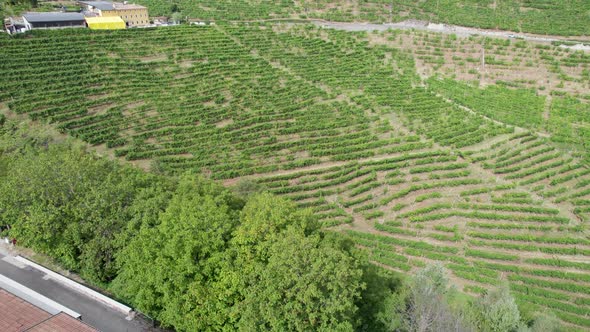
17	314
63	323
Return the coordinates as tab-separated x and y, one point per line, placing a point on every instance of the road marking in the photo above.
11	260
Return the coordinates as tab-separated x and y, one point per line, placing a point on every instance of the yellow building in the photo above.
133	15
105	23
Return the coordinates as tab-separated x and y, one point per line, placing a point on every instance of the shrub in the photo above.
546	322
428	305
498	311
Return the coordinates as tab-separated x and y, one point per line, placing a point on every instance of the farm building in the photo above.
160	20
53	20
105	23
14	24
132	14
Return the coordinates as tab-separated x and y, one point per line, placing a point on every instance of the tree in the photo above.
164	268
309	283
210	264
498	311
546	322
176	17
70	205
265	215
285	274
428	307
382	302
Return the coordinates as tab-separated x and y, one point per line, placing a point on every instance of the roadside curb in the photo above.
76	286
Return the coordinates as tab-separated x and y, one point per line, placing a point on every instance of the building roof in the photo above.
104	19
119	5
20	315
53	17
106	23
63	323
14	20
107	5
102	5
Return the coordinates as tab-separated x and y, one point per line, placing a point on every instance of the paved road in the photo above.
93	313
447	29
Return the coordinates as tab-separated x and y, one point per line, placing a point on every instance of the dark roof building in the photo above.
53	20
100	5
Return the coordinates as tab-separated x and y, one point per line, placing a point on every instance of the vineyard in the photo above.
546	68
415	170
553	17
557	17
537	86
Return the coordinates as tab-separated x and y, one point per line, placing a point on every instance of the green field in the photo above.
339	125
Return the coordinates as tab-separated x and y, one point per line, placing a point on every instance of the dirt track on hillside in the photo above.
449	29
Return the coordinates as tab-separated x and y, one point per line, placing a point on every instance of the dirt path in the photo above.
458	30
451	29
547	110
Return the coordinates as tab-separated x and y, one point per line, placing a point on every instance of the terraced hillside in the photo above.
557	17
340	125
538	86
547	68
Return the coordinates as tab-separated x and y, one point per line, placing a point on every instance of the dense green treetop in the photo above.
208	265
186	251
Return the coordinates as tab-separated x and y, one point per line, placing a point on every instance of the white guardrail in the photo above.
76	286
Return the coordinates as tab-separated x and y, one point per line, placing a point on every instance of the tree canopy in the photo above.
196	256
186	251
211	265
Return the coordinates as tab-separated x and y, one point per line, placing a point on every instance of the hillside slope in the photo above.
338	125
555	17
552	17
